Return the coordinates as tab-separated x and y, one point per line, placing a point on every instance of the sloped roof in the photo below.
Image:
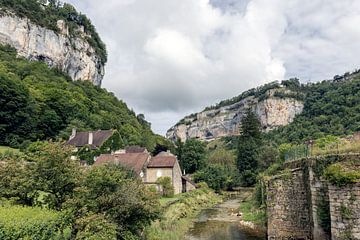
163	160
82	138
133	161
135	149
186	178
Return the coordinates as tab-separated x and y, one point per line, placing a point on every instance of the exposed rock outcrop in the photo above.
225	121
74	56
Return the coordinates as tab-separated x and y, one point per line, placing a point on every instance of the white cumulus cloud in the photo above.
168	58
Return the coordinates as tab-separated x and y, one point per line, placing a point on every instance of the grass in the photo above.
252	213
179	213
340	147
342	174
18	222
165	201
4	149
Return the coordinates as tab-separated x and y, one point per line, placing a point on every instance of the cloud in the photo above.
168	58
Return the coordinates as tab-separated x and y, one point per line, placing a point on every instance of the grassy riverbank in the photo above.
179	215
251	212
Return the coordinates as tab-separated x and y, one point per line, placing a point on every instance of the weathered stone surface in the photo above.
345	212
225	121
305	195
288	208
74	56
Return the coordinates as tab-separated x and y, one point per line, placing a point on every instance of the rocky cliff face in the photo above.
225	121
74	56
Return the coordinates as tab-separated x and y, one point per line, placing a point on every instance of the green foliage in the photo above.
222	156
17	222
259	92
95	227
218	177
342	174
52	170
166	186
47	177
39	103
248	144
252	213
192	155
178	217
48	15
116	193
330	108
345	212
323	213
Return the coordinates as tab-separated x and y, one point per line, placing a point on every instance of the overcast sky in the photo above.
169	58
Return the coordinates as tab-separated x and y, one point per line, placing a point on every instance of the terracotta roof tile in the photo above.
163	160
134	161
135	149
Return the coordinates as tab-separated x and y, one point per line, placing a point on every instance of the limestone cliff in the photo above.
225	121
72	55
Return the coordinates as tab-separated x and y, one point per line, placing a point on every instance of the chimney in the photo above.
91	138
73	133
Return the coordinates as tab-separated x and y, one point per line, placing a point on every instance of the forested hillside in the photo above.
330	108
39	103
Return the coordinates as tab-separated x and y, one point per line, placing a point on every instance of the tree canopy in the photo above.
39	103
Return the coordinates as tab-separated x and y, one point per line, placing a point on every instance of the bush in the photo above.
167	188
118	194
95	227
18	222
217	177
341	174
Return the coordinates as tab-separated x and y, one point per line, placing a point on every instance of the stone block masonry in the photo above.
288	207
301	204
345	212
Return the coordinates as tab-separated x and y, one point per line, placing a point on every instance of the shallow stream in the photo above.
222	223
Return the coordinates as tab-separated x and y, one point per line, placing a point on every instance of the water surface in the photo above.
222	223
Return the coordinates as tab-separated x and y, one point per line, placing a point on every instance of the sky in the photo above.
170	58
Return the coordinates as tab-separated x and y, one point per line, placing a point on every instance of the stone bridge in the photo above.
301	204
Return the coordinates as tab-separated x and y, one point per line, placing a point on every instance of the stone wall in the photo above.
301	204
288	207
320	207
345	212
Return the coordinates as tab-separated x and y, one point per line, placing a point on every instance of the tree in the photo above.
192	156
53	171
223	157
218	177
119	195
248	145
166	185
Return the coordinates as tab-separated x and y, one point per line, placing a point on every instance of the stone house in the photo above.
165	164
149	168
136	161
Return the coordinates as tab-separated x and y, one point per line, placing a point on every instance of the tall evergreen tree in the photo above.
249	142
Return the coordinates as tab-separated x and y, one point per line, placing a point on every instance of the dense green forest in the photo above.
330	108
39	103
46	14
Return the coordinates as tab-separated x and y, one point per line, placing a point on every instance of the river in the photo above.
222	223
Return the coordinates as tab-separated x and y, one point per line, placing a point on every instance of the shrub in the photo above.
167	187
341	174
18	222
95	227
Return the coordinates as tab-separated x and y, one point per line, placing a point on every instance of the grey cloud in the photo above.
168	58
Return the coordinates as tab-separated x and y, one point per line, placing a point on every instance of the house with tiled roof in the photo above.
148	168
90	144
93	139
133	161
